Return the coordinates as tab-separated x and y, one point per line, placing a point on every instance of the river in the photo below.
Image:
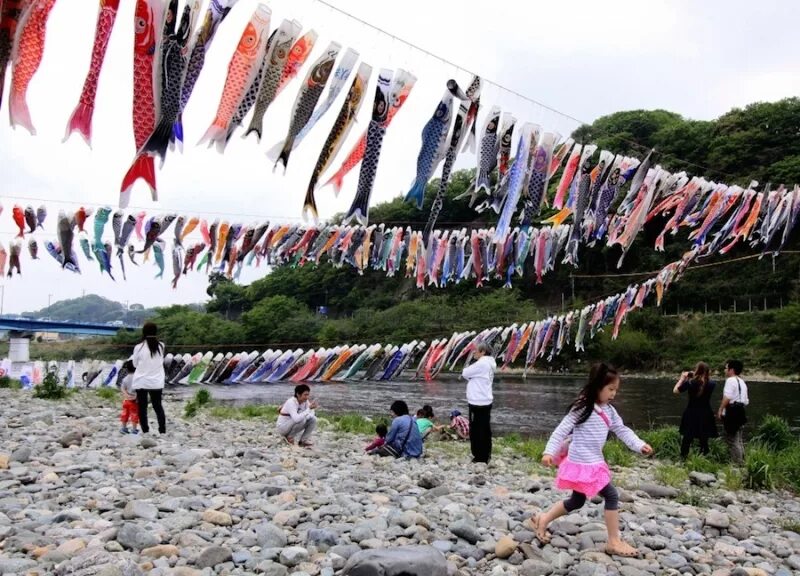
529	407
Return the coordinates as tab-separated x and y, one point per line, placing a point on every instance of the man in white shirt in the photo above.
297	417
731	409
480	375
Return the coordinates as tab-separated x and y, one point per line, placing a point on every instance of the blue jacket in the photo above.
398	432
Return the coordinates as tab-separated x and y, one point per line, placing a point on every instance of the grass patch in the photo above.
617	454
791	526
201	398
699	463
8	382
352	423
249	412
671	475
532	448
732	478
692	497
108	393
665	441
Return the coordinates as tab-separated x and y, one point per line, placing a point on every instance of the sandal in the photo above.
306	444
541	533
623	549
289	440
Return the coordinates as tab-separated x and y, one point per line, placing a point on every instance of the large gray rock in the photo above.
13	565
293	555
536	567
139	509
21	454
269	535
134	537
212	556
717	519
402	561
322	539
465	529
656	491
74	438
702	479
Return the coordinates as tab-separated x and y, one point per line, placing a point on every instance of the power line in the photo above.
507	89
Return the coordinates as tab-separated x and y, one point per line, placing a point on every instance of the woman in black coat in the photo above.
698	418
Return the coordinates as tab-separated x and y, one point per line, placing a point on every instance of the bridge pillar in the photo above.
19	345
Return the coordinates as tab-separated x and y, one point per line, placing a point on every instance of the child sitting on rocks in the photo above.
130	409
381	430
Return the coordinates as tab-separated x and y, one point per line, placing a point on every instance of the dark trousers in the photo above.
155	400
686	444
480	432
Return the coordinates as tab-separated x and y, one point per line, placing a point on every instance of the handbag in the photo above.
735	414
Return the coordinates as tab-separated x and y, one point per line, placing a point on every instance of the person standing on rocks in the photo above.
130	409
403	439
148	379
584	470
297	417
698	418
479	376
732	409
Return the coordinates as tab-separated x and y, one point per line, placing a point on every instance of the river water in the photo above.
529	407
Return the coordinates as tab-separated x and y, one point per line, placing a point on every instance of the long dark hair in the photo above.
600	376
701	375
150	337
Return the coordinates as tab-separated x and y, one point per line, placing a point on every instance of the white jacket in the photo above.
480	375
149	373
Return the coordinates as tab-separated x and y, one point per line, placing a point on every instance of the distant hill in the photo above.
93	308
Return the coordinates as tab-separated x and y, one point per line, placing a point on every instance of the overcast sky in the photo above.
585	59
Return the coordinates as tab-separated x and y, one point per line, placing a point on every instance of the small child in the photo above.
425	420
584	470
460	424
130	409
381	430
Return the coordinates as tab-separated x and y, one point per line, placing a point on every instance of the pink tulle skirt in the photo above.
587	479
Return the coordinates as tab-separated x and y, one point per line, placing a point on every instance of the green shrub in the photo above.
774	433
759	468
789	467
699	463
353	423
202	397
251	411
190	410
665	441
531	448
50	388
108	393
732	478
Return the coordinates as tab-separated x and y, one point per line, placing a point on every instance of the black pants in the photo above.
578	499
686	444
480	432
155	400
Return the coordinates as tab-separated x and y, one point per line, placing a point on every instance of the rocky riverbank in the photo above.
227	497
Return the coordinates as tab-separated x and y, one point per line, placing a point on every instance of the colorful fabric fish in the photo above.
339	131
26	58
81	119
147	22
401	88
30	219
276	57
434	135
172	65
340	76
216	13
375	133
460	129
241	70
298	55
304	104
10	15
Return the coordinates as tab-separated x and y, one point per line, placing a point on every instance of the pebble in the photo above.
217	497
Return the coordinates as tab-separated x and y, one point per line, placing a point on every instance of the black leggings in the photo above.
155	400
609	493
686	444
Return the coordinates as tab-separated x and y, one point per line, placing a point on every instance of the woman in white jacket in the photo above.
479	376
148	380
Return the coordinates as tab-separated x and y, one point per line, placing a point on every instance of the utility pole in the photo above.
49	298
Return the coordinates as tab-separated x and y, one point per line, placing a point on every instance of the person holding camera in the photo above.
698	417
732	409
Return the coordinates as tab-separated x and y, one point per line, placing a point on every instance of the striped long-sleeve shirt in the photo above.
589	438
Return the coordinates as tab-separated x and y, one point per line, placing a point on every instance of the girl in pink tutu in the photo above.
583	468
